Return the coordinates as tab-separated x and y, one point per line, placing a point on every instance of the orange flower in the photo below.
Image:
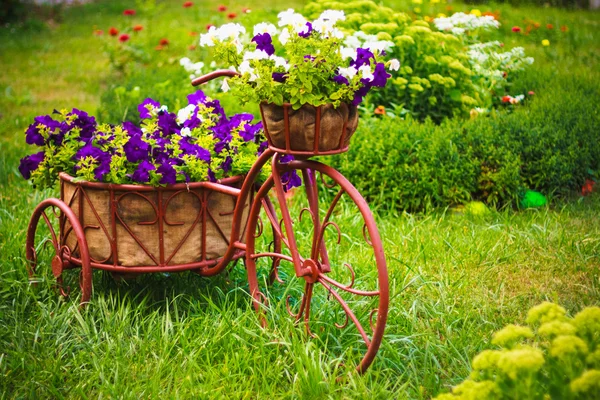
113	31
231	15
188	4
159	48
138	28
193	33
98	32
550	26
163	42
192	47
380	110
222	8
564	28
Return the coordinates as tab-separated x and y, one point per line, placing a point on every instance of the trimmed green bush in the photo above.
551	144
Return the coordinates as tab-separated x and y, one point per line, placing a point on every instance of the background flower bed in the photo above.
457	278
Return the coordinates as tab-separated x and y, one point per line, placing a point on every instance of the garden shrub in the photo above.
552	145
554	357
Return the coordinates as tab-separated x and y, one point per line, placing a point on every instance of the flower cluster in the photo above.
198	143
556	357
459	23
321	65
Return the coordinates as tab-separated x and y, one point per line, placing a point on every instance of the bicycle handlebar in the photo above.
213	75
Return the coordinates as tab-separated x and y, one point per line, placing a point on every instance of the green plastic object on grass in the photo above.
533	199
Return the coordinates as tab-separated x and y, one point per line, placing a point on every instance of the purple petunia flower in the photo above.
308	57
33	136
194	149
309	29
136	149
196	98
380	76
290	179
142	172
132	129
143	108
30	163
250	130
237	119
167	122
264	42
342	80
90	151
226	165
85	123
103	168
262	147
169	175
211	176
360	93
217	109
363	57
280	77
222	145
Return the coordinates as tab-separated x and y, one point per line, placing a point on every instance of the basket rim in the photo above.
303	105
230	181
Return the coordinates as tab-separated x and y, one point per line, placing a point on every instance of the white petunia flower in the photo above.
280	62
366	72
394	65
293	19
353	42
184	61
185	132
265	27
185	113
379	45
255	55
457	31
347	52
333	15
225	86
284	36
230	31
208	39
349	72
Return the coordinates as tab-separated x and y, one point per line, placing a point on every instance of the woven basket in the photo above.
194	225
309	130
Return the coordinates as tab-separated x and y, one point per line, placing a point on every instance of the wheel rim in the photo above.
311	260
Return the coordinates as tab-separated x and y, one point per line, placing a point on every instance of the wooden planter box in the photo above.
183	226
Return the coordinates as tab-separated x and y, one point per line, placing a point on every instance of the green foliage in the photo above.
538	366
551	146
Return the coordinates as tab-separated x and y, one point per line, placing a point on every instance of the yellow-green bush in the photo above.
555	357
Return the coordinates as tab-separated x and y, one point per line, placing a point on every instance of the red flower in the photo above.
209	26
222	8
188	4
246	10
163	42
231	15
506	99
550	26
536	25
193	33
564	28
113	31
138	28
516	29
588	187
98	32
123	38
531	93
129	12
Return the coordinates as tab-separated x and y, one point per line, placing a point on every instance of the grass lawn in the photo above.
454	278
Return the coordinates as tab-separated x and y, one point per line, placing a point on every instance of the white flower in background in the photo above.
245	67
332	15
230	31
284	36
164	108
394	65
189	66
265	27
460	22
293	19
255	55
225	86
520	98
209	38
213	64
366	72
458	31
280	62
185	132
353	42
347	52
349	72
185	113
379	45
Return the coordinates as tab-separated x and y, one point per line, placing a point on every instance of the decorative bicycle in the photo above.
203	226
